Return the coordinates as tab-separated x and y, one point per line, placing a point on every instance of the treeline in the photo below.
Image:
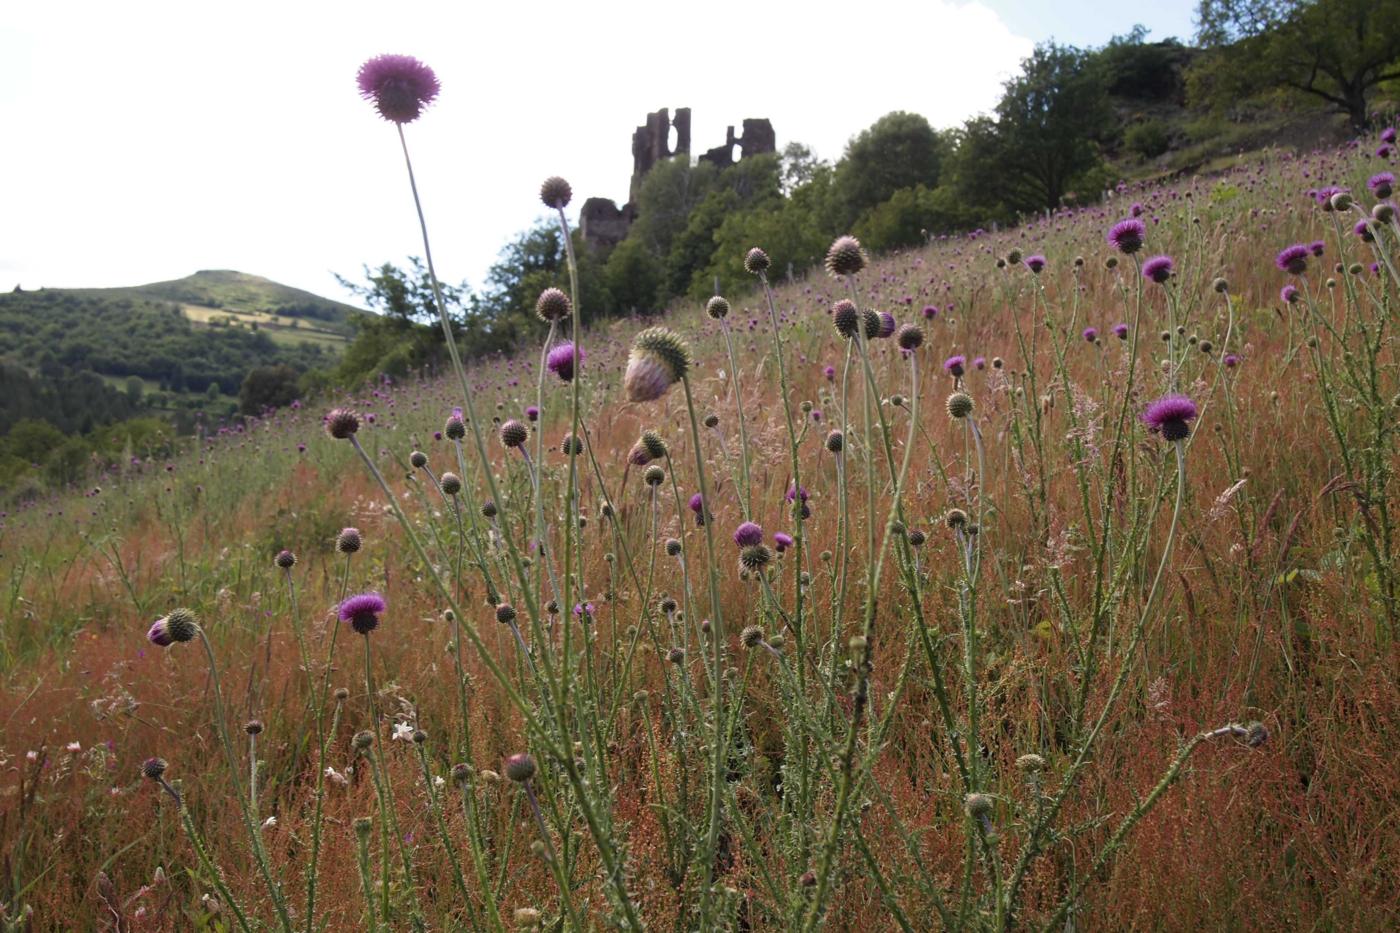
152	340
84	378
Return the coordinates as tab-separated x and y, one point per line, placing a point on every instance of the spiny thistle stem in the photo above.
254	835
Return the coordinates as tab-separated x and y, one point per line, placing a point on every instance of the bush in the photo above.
1148	139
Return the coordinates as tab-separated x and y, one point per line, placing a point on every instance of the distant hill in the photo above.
247	298
83	357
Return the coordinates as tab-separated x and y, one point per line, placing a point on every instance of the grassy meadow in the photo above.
1030	663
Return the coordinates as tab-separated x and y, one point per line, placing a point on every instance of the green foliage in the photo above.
899	150
795	232
267	387
1049	126
405	294
64	353
1337	51
633	276
1143	72
910	216
1148	139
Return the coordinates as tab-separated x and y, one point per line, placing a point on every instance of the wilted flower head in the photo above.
553	305
348	541
659	359
1170	415
519	768
1293	259
845	257
362	612
455	428
756	261
514	434
564	359
748	534
1127	236
1158	269
178	625
341	423
556	193
400	86
845	318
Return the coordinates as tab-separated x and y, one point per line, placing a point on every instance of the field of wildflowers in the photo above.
1042	579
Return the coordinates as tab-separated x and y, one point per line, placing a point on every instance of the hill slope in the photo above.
174	346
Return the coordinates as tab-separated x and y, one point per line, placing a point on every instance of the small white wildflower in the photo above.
403	732
270	822
336	776
74	747
439	781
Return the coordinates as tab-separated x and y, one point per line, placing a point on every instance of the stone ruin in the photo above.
604	224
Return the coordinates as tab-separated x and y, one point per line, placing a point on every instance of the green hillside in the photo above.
85	361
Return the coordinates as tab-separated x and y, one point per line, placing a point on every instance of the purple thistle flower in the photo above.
1035	263
887	324
748	534
1231	360
399	85
1293	259
955	365
1091	334
1363	230
930	312
1169	416
160	634
564	359
830	373
793	492
697	505
1127	236
362	612
532	412
1388	134
782	541
1158	269
1381	184
1288	295
1318	247
1120	331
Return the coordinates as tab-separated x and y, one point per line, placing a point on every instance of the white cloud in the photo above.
145	141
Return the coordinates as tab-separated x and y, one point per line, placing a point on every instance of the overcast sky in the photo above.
143	141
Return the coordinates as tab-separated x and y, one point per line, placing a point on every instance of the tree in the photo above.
899	150
1049	126
267	387
1336	50
405	294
